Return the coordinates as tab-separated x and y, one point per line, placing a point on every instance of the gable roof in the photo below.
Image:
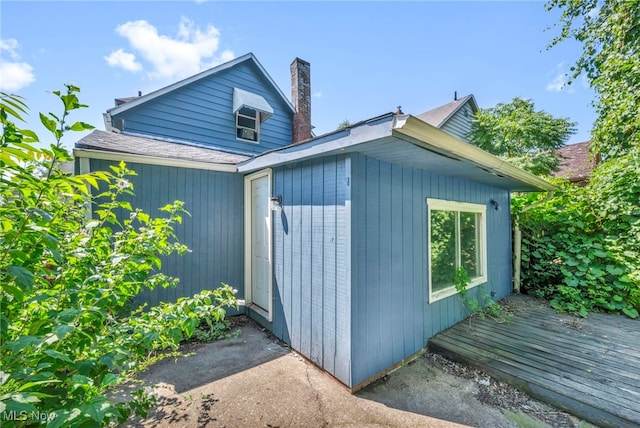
407	140
576	162
136	101
440	115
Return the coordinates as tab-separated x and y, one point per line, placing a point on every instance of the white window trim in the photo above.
441	204
257	129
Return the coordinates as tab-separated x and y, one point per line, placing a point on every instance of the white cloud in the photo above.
125	60
561	80
14	75
317	94
226	55
10	46
190	51
557	83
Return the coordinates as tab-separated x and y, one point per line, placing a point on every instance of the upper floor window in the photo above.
247	124
456	239
250	110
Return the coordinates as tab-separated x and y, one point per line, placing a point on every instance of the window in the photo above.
456	238
250	110
247	124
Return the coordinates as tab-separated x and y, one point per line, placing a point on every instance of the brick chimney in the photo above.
301	95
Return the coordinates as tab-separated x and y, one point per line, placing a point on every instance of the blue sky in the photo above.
366	58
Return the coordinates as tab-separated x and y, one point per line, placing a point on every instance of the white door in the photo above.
259	240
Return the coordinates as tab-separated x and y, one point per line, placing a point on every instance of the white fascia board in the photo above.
155	94
416	131
108	126
153	160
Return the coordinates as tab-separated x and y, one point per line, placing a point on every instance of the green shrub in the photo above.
67	328
581	248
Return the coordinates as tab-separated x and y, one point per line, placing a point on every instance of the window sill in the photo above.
451	291
247	141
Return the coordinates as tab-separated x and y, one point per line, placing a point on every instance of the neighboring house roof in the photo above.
67	167
577	162
136	101
145	150
407	140
440	115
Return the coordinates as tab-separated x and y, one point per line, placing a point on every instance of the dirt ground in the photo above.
256	381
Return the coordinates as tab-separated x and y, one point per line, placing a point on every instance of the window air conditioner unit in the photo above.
248	134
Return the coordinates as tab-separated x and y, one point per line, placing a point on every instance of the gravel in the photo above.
505	397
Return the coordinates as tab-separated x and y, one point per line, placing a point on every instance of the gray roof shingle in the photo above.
437	116
122	143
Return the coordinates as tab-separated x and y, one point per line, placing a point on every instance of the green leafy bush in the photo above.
581	248
68	330
210	332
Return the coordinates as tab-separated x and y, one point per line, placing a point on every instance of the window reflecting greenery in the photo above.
455	242
469	257
443	249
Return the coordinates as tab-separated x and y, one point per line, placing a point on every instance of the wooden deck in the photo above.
587	367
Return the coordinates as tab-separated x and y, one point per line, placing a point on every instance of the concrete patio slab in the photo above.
255	381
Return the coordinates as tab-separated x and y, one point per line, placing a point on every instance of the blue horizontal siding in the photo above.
460	124
213	231
201	112
311	273
391	315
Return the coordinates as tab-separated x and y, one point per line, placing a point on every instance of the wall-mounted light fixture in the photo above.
276	203
495	204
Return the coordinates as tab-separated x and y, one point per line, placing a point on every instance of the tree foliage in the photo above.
343	125
609	31
581	248
525	137
68	331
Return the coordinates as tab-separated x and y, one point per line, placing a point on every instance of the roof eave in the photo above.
338	141
81	152
418	132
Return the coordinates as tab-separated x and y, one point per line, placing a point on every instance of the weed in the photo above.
485	306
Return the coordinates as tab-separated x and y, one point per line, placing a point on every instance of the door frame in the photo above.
248	201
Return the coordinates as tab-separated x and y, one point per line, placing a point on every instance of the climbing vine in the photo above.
581	248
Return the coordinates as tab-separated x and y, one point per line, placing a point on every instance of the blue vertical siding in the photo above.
311	278
213	232
391	315
342	238
201	112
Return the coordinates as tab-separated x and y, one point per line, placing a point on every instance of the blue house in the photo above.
343	245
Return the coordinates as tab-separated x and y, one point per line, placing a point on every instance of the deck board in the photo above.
587	367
